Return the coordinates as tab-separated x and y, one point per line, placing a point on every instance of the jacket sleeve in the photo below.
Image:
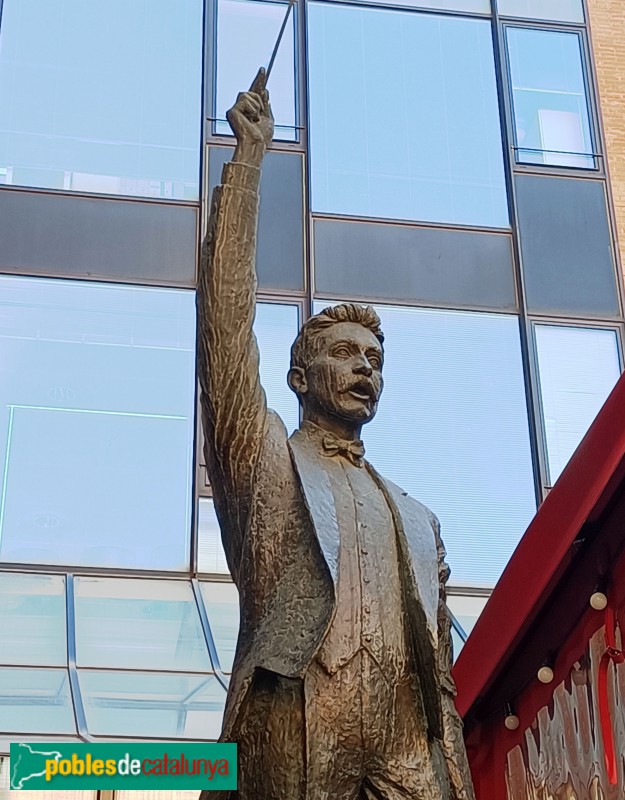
453	740
233	403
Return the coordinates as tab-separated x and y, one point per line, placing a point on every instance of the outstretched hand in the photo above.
251	121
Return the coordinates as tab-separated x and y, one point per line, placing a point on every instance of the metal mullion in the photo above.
144	671
467	591
208	635
506	115
127	198
215	577
402	302
409	223
74	683
103	572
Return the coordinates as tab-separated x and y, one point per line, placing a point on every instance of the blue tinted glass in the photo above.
246	34
560	10
138	624
452	430
276	327
578	369
147	704
222	607
102	96
96	424
404	116
35	701
552	125
32	620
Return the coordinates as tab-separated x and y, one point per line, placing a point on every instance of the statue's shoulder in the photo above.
406	503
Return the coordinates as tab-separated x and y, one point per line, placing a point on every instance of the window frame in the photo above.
534	322
211	78
590	89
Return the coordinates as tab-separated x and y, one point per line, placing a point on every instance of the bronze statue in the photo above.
341	686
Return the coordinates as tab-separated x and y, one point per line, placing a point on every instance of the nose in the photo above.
363	367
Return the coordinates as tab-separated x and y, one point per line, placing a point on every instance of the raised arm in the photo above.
453	740
233	403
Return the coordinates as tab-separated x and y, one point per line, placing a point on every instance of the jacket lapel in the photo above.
412	522
319	499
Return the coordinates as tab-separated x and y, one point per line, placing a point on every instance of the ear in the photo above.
297	380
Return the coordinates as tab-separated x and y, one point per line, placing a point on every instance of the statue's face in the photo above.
345	378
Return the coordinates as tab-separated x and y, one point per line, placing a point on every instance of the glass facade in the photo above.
457	186
102	96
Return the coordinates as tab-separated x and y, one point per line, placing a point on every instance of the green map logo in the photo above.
113	765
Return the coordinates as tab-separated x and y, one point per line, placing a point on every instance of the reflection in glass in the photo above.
138	624
559	10
552	123
466	609
476	6
222	607
404	116
152	705
211	556
578	368
276	327
246	34
32	620
102	96
35	701
441	435
97	385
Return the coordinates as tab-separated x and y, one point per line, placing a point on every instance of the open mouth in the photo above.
362	392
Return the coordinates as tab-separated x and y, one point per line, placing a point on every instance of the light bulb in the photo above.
598	601
545	674
511	722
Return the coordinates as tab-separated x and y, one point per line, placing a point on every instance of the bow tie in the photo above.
352	451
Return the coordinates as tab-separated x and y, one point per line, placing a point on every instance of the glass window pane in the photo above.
211	556
246	34
452	430
24	794
276	327
35	701
222	607
149	705
578	368
32	620
98	386
466	609
560	10
411	129
103	96
552	123
138	624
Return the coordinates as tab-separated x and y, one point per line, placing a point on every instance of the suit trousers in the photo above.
348	736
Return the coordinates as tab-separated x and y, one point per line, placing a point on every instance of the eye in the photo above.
341	351
375	361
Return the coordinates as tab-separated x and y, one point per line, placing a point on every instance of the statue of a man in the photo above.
341	686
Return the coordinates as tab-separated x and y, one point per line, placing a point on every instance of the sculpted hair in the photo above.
308	341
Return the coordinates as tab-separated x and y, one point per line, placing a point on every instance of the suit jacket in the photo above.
275	505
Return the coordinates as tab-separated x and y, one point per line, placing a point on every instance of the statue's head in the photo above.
336	365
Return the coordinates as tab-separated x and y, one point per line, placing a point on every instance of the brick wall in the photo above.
607	26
